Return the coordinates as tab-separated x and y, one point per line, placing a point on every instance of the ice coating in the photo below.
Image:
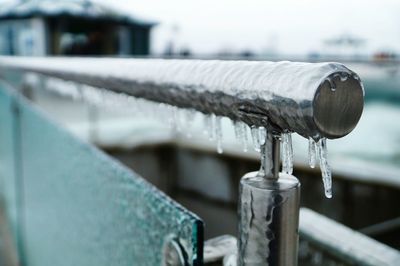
248	91
325	168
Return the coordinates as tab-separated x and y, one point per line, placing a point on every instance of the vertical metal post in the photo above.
269	213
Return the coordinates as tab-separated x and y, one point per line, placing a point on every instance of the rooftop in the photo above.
72	8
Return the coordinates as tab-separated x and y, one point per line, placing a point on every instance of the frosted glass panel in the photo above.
9	166
81	207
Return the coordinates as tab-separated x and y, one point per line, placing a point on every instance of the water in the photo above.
325	168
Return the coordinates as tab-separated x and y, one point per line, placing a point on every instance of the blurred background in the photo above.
364	35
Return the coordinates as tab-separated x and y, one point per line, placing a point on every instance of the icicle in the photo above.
211	127
162	113
262	135
256	138
189	119
241	134
62	87
238	130
245	138
218	133
311	152
206	124
287	153
176	119
170	111
325	168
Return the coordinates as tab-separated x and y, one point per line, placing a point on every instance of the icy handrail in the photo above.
313	99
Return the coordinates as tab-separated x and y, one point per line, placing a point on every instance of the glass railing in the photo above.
70	204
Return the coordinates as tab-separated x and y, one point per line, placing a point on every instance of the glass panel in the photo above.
8	168
81	207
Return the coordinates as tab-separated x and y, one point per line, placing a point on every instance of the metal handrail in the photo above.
313	99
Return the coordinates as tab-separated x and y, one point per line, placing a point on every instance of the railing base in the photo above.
269	219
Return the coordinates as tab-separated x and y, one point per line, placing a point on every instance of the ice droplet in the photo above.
325	168
311	152
343	77
331	84
287	153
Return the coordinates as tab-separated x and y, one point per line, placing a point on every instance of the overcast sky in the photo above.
284	26
281	26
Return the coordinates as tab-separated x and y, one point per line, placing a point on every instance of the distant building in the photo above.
70	27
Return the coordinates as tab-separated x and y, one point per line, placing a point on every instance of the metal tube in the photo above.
270	157
269	217
312	99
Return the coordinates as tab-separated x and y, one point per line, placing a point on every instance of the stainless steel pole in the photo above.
269	213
